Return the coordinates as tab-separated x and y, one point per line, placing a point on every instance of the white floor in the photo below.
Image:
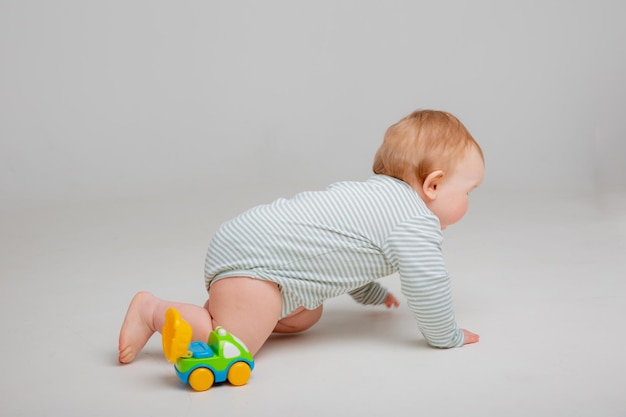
541	279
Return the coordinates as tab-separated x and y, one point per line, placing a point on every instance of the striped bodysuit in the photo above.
323	244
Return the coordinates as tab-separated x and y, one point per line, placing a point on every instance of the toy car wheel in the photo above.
239	373
201	379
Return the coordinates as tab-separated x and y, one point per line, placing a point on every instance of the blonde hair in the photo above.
420	143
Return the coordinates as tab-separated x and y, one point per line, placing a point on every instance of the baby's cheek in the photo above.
461	209
464	208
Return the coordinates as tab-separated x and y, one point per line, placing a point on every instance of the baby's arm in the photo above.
415	250
374	294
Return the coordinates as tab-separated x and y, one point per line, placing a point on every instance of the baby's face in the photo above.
452	199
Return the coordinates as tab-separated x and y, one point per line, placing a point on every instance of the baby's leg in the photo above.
146	315
246	307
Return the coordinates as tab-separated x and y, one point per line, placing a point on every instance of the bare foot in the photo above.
138	326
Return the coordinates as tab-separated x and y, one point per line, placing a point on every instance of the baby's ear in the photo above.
431	184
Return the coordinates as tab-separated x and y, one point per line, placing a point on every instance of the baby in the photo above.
271	268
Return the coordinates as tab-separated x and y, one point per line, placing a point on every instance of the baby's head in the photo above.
435	154
423	142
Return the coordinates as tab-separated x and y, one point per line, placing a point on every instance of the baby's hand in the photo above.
391	301
470	337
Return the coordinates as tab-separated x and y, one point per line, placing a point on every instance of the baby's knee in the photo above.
299	321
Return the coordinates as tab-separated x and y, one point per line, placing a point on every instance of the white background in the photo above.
117	98
129	130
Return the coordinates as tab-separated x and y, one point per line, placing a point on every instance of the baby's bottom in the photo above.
250	309
299	320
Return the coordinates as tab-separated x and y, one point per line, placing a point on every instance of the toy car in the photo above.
199	364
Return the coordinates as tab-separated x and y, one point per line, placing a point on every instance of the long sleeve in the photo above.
369	294
415	249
